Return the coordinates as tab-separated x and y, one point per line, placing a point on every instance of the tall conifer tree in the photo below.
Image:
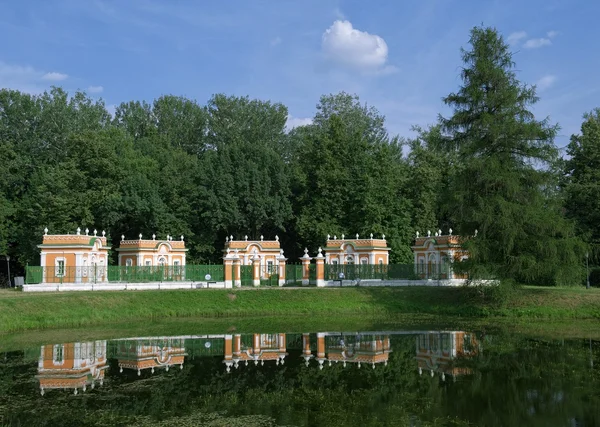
505	185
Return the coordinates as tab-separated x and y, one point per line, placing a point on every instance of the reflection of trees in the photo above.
509	377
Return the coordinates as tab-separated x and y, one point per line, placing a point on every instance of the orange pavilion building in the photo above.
371	349
434	255
74	366
74	258
157	353
438	352
261	348
357	251
152	253
266	256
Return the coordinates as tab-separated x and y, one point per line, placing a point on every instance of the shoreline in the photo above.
21	311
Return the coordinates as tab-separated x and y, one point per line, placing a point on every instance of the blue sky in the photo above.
400	56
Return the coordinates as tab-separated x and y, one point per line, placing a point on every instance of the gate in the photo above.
293	274
268	277
246	276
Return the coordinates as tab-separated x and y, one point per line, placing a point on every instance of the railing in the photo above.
293	274
124	274
384	272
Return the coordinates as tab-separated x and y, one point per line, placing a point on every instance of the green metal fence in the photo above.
293	274
246	275
124	274
380	272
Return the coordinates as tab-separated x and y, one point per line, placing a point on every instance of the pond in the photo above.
305	378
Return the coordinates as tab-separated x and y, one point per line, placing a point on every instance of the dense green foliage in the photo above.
231	167
582	181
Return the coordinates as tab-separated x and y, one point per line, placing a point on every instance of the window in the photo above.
129	263
162	262
176	264
270	267
350	260
58	354
60	267
334	261
364	261
148	262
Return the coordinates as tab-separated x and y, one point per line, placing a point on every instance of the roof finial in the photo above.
306	251
78	231
103	233
261	238
46	231
328	237
181	237
231	237
356	236
87	231
428	233
246	237
122	237
417	234
276	238
140	236
440	232
226	239
334	237
154	237
95	232
436	234
371	236
475	233
343	236
450	232
383	236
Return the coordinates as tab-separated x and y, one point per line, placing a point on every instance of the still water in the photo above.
329	378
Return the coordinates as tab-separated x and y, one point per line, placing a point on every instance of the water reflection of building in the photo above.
348	348
72	366
437	352
255	347
150	353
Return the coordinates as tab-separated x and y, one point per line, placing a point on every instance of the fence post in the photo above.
320	259
237	274
282	275
256	269
305	268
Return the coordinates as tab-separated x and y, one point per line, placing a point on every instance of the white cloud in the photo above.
54	76
352	48
23	78
95	89
545	82
276	41
293	122
552	34
535	43
516	37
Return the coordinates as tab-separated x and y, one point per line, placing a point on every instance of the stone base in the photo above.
115	286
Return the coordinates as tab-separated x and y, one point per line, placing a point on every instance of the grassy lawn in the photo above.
27	311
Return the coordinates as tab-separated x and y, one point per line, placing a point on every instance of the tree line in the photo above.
230	167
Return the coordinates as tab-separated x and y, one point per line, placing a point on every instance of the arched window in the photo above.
162	262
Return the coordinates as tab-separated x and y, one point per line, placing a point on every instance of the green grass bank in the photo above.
28	311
